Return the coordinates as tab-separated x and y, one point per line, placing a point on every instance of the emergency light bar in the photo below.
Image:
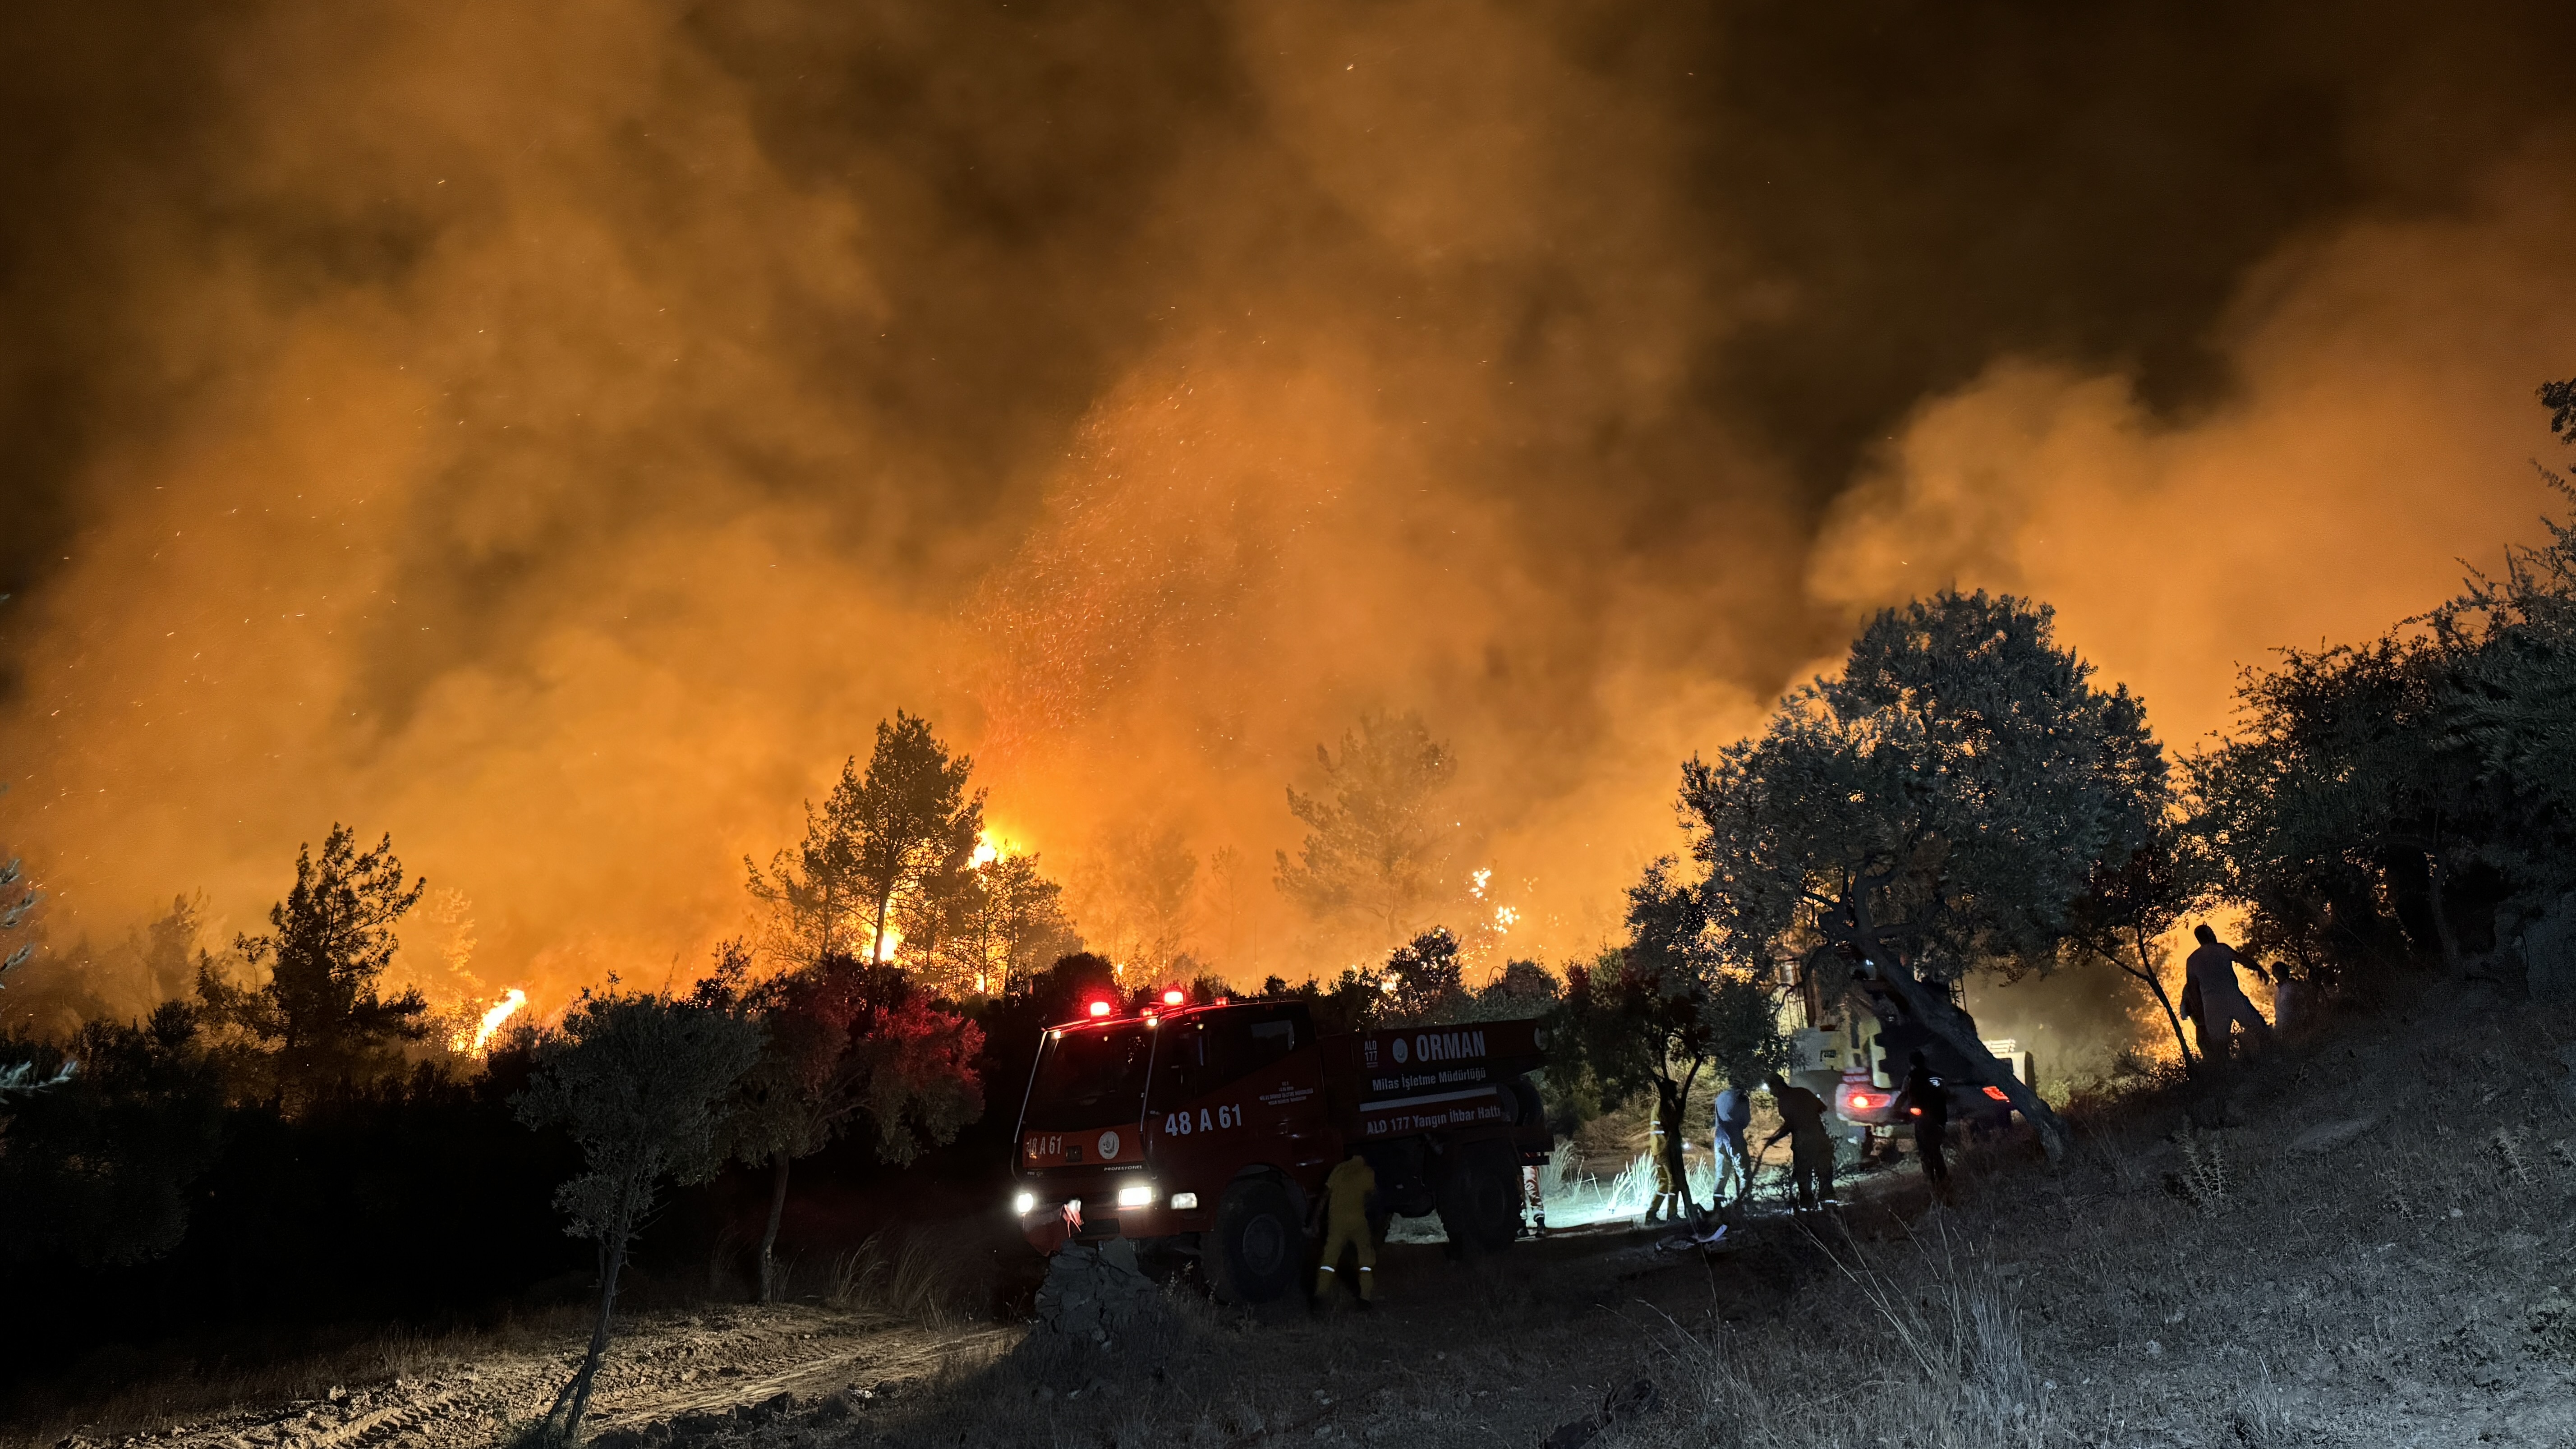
1100	1008
1173	997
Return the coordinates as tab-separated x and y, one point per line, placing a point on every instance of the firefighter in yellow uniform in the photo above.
1346	1224
1667	1192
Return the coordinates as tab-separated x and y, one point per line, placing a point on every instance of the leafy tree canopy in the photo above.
641	1083
1936	809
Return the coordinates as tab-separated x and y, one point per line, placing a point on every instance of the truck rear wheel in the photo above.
1480	1197
1258	1247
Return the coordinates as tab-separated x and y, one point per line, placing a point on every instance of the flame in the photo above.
508	1007
987	850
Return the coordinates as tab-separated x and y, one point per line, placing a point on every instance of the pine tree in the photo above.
318	1022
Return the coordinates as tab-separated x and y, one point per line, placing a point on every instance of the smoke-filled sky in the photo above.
557	434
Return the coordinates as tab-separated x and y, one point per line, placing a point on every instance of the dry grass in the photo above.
906	1276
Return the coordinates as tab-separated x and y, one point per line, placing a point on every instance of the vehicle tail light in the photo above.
1998	1094
1864	1101
1100	1008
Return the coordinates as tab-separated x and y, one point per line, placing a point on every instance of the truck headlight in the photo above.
1141	1195
1183	1202
1024	1204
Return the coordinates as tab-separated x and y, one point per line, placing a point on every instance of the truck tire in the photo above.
1480	1197
1258	1248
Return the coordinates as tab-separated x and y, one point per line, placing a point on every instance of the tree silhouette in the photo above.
842	1039
905	825
1377	841
989	927
1651	1017
1424	982
318	1021
99	1171
641	1084
2130	904
20	1079
1937	809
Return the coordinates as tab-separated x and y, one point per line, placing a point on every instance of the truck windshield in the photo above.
1090	1076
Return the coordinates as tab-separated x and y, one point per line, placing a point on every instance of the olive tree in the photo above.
1671	1004
641	1083
1934	810
843	1040
2131	904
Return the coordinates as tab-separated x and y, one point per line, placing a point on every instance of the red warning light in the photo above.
1100	1008
1998	1094
1173	997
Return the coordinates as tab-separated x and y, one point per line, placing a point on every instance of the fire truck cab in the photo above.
1206	1131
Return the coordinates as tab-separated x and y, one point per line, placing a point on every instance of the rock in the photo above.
1090	1290
1619	1407
1573	1434
2548	951
2327	1136
1635	1401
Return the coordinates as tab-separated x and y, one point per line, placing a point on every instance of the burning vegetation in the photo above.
1310	500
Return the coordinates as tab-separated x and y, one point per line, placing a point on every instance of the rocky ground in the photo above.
2378	1247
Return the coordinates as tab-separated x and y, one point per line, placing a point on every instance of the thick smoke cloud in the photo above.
557	435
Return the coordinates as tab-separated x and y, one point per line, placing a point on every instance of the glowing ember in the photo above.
508	1007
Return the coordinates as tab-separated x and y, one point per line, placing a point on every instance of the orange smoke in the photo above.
557	435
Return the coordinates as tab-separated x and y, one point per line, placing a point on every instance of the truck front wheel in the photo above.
1480	1197
1258	1247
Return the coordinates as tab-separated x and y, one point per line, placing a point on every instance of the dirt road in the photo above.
661	1370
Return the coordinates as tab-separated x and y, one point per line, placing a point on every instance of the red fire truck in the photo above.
1205	1131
